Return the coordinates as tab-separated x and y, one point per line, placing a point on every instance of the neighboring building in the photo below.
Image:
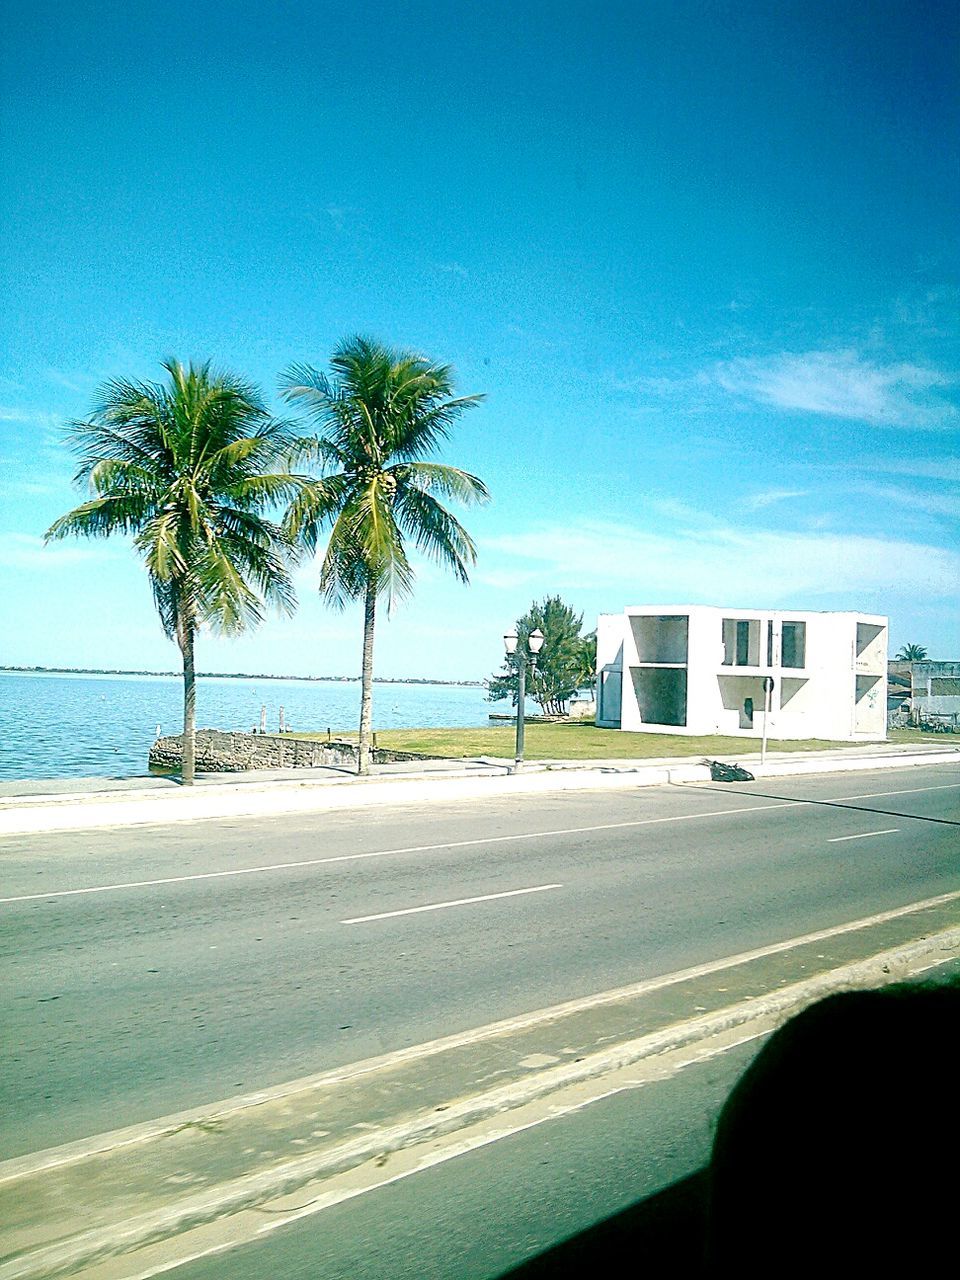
898	698
696	669
935	691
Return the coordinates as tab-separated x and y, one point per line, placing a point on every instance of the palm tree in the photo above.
912	653
378	416
188	468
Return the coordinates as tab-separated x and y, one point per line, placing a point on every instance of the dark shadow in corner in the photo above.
835	1155
663	1235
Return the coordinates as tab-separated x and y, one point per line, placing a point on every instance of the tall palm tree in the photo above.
189	467
379	415
911	653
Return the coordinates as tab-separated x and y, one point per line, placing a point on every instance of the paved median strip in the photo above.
109	1204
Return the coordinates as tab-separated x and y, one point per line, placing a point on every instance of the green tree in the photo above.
378	416
588	662
911	653
189	468
565	662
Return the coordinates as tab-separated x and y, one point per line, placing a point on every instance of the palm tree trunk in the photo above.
366	680
189	740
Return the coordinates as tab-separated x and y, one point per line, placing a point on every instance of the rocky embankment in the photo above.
222	752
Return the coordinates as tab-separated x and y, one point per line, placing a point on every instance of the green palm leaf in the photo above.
191	468
377	415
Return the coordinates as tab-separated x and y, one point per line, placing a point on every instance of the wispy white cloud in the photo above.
722	563
30	417
843	384
932	504
454	269
932	308
27	551
80	381
759	501
36	488
946	469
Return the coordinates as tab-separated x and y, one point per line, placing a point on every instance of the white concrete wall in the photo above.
610	627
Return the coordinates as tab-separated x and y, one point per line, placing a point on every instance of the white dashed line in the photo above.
887	831
455	902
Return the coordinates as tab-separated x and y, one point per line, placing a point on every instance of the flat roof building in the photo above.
698	669
935	691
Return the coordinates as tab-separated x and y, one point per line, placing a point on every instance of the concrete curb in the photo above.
758	1015
30	815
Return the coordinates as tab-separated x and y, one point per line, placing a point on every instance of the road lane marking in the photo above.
879	795
386	853
454	902
449	844
863	835
236	1209
80	1149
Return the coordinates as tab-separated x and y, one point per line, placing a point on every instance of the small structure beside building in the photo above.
698	669
935	692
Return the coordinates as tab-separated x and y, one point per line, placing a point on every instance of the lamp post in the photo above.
518	656
767	706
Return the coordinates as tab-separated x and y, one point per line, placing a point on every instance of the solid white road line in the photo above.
69	1153
454	844
863	835
454	902
386	853
879	795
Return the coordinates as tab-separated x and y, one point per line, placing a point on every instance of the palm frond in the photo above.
160	543
256	490
100	517
343	571
435	531
449	482
229	603
377	414
315	504
190	467
167	600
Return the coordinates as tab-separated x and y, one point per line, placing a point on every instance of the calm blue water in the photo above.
69	726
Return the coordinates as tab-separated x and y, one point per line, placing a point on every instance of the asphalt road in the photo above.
197	963
613	1181
491	1210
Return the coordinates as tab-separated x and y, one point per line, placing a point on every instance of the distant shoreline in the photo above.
231	675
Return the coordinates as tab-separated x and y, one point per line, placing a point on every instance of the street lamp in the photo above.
518	656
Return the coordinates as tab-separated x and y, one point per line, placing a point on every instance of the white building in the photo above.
695	669
935	691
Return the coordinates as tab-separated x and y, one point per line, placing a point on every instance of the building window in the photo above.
741	642
793	644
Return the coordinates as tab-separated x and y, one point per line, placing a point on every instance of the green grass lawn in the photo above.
573	741
916	735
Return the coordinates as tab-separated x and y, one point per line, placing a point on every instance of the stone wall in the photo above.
221	752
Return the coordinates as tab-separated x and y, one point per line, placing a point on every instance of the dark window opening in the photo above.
793	644
743	644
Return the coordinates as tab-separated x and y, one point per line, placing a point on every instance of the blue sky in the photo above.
702	258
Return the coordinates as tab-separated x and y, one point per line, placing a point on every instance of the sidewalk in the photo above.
108	1204
84	804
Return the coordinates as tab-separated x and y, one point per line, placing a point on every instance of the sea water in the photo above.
72	725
